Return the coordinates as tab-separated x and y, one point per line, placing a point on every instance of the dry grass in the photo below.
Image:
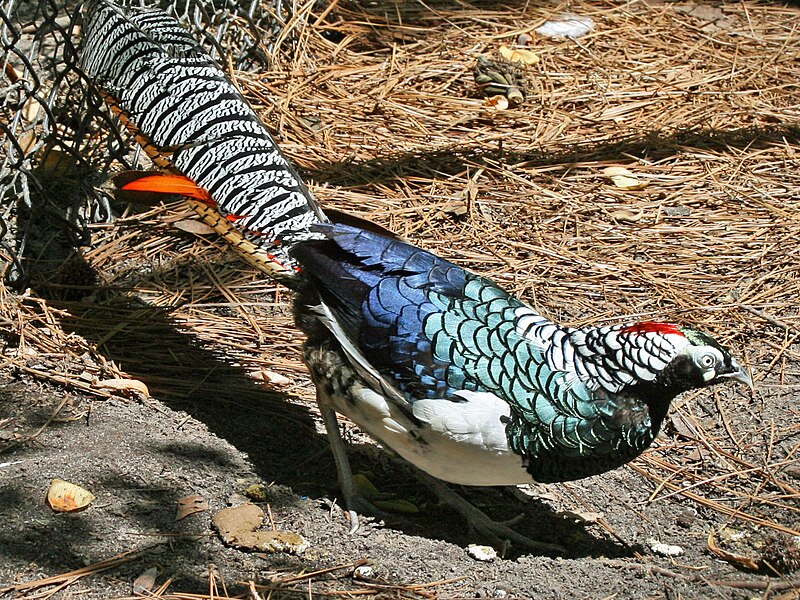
386	123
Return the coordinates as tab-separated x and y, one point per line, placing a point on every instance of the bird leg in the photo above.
499	533
353	501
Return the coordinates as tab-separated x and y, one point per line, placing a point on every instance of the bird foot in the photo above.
356	505
501	536
498	533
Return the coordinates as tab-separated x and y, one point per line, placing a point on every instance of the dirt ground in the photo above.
138	458
383	119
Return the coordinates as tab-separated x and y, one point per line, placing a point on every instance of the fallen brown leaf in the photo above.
188	505
63	496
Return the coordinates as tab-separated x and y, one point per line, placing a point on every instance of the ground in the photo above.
379	111
139	458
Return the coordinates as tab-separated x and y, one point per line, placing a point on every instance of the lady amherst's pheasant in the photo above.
461	379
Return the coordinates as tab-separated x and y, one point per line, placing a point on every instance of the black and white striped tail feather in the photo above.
190	117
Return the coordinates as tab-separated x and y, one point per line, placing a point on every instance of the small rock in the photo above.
686	519
664	549
482	553
677	211
364	572
237	500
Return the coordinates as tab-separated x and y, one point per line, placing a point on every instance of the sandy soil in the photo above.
139	458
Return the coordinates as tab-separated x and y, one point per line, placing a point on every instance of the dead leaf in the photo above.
271	378
714	17
13	75
57	162
194	226
681	425
454	208
63	496
519	55
27	140
624	179
237	527
627	216
30	109
229	521
471	190
124	385
145	582
188	505
582	516
366	489
313	123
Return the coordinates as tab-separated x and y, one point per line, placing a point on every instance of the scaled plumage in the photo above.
445	345
440	365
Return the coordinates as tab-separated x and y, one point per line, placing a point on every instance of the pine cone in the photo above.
500	77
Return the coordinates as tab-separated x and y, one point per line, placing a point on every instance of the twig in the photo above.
761	314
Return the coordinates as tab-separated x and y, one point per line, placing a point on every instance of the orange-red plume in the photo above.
177	185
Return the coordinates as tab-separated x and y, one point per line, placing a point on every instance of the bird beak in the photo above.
739	374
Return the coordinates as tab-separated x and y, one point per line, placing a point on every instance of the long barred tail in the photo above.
191	120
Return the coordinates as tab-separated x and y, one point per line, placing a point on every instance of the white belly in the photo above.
458	442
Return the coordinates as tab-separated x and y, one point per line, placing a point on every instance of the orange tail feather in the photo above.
169	184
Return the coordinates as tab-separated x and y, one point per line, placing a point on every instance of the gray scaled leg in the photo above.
499	533
353	501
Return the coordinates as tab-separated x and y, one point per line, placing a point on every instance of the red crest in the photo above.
651	327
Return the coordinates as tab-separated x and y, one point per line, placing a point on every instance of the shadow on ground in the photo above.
653	146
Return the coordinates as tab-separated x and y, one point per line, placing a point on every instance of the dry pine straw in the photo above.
386	123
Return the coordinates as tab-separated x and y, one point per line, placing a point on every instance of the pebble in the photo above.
482	553
664	549
363	572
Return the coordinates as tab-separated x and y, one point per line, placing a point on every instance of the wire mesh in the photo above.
58	141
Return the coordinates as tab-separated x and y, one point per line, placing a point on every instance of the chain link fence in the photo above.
58	141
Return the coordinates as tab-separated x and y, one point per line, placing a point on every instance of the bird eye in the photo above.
707	360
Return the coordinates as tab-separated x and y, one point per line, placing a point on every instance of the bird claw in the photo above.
499	533
503	537
513	520
359	505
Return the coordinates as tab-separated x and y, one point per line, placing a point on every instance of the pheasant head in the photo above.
661	356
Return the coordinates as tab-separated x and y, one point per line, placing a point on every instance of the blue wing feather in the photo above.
434	329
